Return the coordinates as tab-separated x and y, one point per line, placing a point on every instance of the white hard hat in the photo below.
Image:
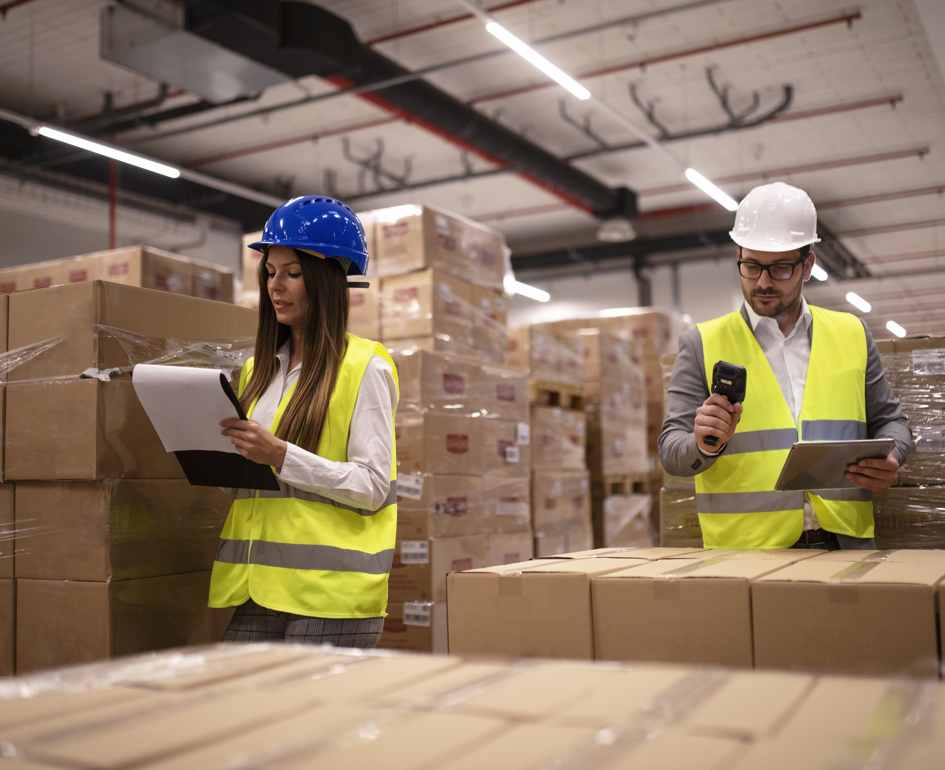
775	217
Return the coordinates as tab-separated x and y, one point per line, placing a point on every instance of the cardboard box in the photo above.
571	360
426	303
622	520
502	392
364	312
434	382
7	627
606	358
148	268
78	313
522	747
543	608
449	506
558	438
420	566
616	447
460	446
536	350
41	275
560	496
64	622
649	331
82	430
563	537
212	282
625	400
409	238
11	280
679	611
865	617
116	530
7	531
415	627
489	321
82	269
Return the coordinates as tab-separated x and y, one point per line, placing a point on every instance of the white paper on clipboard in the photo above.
186	405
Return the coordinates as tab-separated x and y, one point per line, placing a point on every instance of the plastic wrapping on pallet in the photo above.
558	438
916	373
432	310
616	446
440	383
554	359
284	706
679	520
114	529
623	521
449	506
561	497
910	517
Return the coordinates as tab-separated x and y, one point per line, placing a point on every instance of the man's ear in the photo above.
809	261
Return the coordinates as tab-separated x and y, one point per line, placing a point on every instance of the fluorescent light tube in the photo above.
819	273
895	328
858	302
532	292
109	152
537	60
710	189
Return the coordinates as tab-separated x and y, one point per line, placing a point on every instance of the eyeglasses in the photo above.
779	271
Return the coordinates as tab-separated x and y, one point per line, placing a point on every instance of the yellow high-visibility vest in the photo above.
295	551
736	500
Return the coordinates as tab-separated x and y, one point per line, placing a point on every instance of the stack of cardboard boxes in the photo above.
847	612
463	462
561	499
293	707
112	545
616	403
133	266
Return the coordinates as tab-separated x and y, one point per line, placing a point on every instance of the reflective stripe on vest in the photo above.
737	504
300	552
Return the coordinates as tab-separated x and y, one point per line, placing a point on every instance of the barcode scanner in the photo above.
729	381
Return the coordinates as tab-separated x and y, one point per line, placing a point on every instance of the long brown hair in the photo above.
323	346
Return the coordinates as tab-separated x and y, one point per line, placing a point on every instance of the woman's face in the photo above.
286	286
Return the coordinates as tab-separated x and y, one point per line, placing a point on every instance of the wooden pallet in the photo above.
555	394
621	484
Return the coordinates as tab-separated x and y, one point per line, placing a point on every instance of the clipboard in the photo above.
185	405
812	465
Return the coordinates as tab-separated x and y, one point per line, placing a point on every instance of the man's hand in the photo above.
874	475
254	442
716	417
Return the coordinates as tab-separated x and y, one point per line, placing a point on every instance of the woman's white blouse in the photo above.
364	480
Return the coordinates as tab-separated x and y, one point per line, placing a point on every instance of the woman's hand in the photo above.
254	442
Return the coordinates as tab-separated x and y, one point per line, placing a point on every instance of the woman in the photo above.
310	562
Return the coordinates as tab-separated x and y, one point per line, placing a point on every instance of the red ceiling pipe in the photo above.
12	4
783	117
846	18
894	228
442	23
911	256
882	197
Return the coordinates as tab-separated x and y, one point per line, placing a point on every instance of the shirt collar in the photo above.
282	355
803	321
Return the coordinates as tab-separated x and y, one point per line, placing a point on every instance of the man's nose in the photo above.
764	280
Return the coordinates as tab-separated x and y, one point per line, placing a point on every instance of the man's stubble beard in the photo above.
773	311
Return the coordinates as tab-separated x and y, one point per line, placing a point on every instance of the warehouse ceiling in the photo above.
416	102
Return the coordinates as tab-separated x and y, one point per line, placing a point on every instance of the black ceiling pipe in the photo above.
300	39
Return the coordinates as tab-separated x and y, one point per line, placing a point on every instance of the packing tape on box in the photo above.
854	572
614	742
903	717
702	564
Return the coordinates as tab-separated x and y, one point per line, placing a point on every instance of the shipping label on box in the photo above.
415	627
420	566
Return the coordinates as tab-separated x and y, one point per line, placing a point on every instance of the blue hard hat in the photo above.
318	223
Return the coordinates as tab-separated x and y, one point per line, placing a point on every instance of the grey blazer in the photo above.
688	390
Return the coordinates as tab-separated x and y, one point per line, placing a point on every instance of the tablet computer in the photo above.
823	464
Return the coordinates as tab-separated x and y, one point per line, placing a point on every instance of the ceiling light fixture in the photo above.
537	60
858	302
109	151
616	230
895	328
819	273
532	292
710	189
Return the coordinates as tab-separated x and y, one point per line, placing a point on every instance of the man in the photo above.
812	373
